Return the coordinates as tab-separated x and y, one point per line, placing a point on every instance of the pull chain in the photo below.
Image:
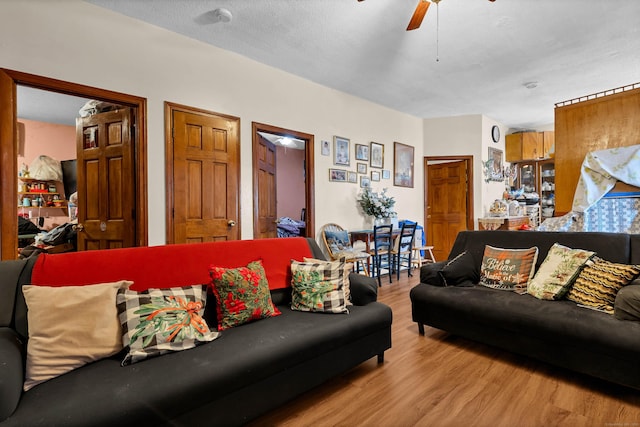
438	31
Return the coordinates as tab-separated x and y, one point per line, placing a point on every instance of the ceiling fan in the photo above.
420	12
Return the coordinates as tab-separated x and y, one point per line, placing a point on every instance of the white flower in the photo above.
375	204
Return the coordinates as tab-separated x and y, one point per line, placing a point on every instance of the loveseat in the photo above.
559	332
245	372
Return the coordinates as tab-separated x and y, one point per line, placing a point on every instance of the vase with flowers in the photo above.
378	205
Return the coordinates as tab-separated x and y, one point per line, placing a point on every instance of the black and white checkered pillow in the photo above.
319	286
157	321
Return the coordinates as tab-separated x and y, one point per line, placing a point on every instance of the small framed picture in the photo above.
325	150
375	176
495	162
365	181
362	168
352	177
377	155
402	165
362	152
340	151
338	175
386	174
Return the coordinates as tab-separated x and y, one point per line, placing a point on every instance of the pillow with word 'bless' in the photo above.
508	269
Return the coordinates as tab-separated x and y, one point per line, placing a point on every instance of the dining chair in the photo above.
337	242
382	246
403	247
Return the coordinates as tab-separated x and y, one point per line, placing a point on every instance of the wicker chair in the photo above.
342	248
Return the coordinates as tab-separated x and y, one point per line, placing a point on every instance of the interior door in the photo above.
106	180
205	177
446	205
267	189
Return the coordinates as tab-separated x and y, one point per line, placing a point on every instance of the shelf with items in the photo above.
547	188
39	193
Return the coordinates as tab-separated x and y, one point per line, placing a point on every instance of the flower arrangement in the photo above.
379	205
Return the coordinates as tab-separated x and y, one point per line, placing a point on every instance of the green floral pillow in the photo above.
158	321
558	272
242	294
319	286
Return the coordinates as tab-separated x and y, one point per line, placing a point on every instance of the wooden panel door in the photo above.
205	177
106	181
446	205
267	189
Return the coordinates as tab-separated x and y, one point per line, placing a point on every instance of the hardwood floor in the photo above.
443	380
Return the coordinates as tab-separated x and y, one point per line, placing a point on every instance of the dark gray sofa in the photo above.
247	371
557	332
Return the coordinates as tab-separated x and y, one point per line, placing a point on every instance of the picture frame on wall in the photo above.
496	169
341	151
376	155
352	176
337	175
362	152
362	167
403	165
326	148
386	174
365	181
375	176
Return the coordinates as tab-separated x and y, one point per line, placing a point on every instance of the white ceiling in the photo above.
487	51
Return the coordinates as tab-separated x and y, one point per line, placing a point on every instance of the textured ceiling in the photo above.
487	51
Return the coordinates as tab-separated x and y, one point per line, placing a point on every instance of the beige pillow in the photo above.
70	326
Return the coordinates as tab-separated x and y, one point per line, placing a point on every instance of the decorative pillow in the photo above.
460	271
558	272
242	294
599	282
338	241
627	306
70	326
341	263
318	287
508	269
158	321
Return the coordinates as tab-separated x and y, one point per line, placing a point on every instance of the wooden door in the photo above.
205	182
106	180
446	205
267	189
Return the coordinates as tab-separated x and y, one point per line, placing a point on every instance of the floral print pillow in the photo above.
558	271
242	294
158	321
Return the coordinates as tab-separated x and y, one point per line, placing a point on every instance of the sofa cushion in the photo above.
508	269
599	282
627	305
342	264
70	326
158	321
319	286
558	272
242	294
460	271
430	273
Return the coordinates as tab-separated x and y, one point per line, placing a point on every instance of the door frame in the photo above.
309	172
469	170
9	80
169	109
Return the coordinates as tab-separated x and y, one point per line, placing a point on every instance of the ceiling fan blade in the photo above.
418	15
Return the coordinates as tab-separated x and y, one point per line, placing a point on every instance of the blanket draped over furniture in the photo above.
558	332
243	373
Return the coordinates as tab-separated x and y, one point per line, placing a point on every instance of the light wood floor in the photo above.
442	380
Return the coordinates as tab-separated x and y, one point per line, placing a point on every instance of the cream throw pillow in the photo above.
70	326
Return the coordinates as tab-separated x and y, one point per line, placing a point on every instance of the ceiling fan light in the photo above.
222	14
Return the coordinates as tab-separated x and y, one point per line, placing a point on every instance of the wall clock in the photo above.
495	133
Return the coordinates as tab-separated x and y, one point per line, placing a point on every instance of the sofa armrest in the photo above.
11	371
430	273
363	289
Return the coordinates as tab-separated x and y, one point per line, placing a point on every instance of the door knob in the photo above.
79	227
231	223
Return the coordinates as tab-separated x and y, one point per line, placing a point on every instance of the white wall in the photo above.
82	43
468	135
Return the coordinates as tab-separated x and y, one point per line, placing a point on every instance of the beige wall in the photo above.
82	43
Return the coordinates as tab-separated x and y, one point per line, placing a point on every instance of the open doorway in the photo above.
283	182
12	84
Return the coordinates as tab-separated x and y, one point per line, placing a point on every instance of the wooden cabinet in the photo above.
529	146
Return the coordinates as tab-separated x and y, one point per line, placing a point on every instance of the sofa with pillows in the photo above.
197	334
570	299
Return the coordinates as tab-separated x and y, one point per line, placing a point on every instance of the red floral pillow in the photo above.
242	294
